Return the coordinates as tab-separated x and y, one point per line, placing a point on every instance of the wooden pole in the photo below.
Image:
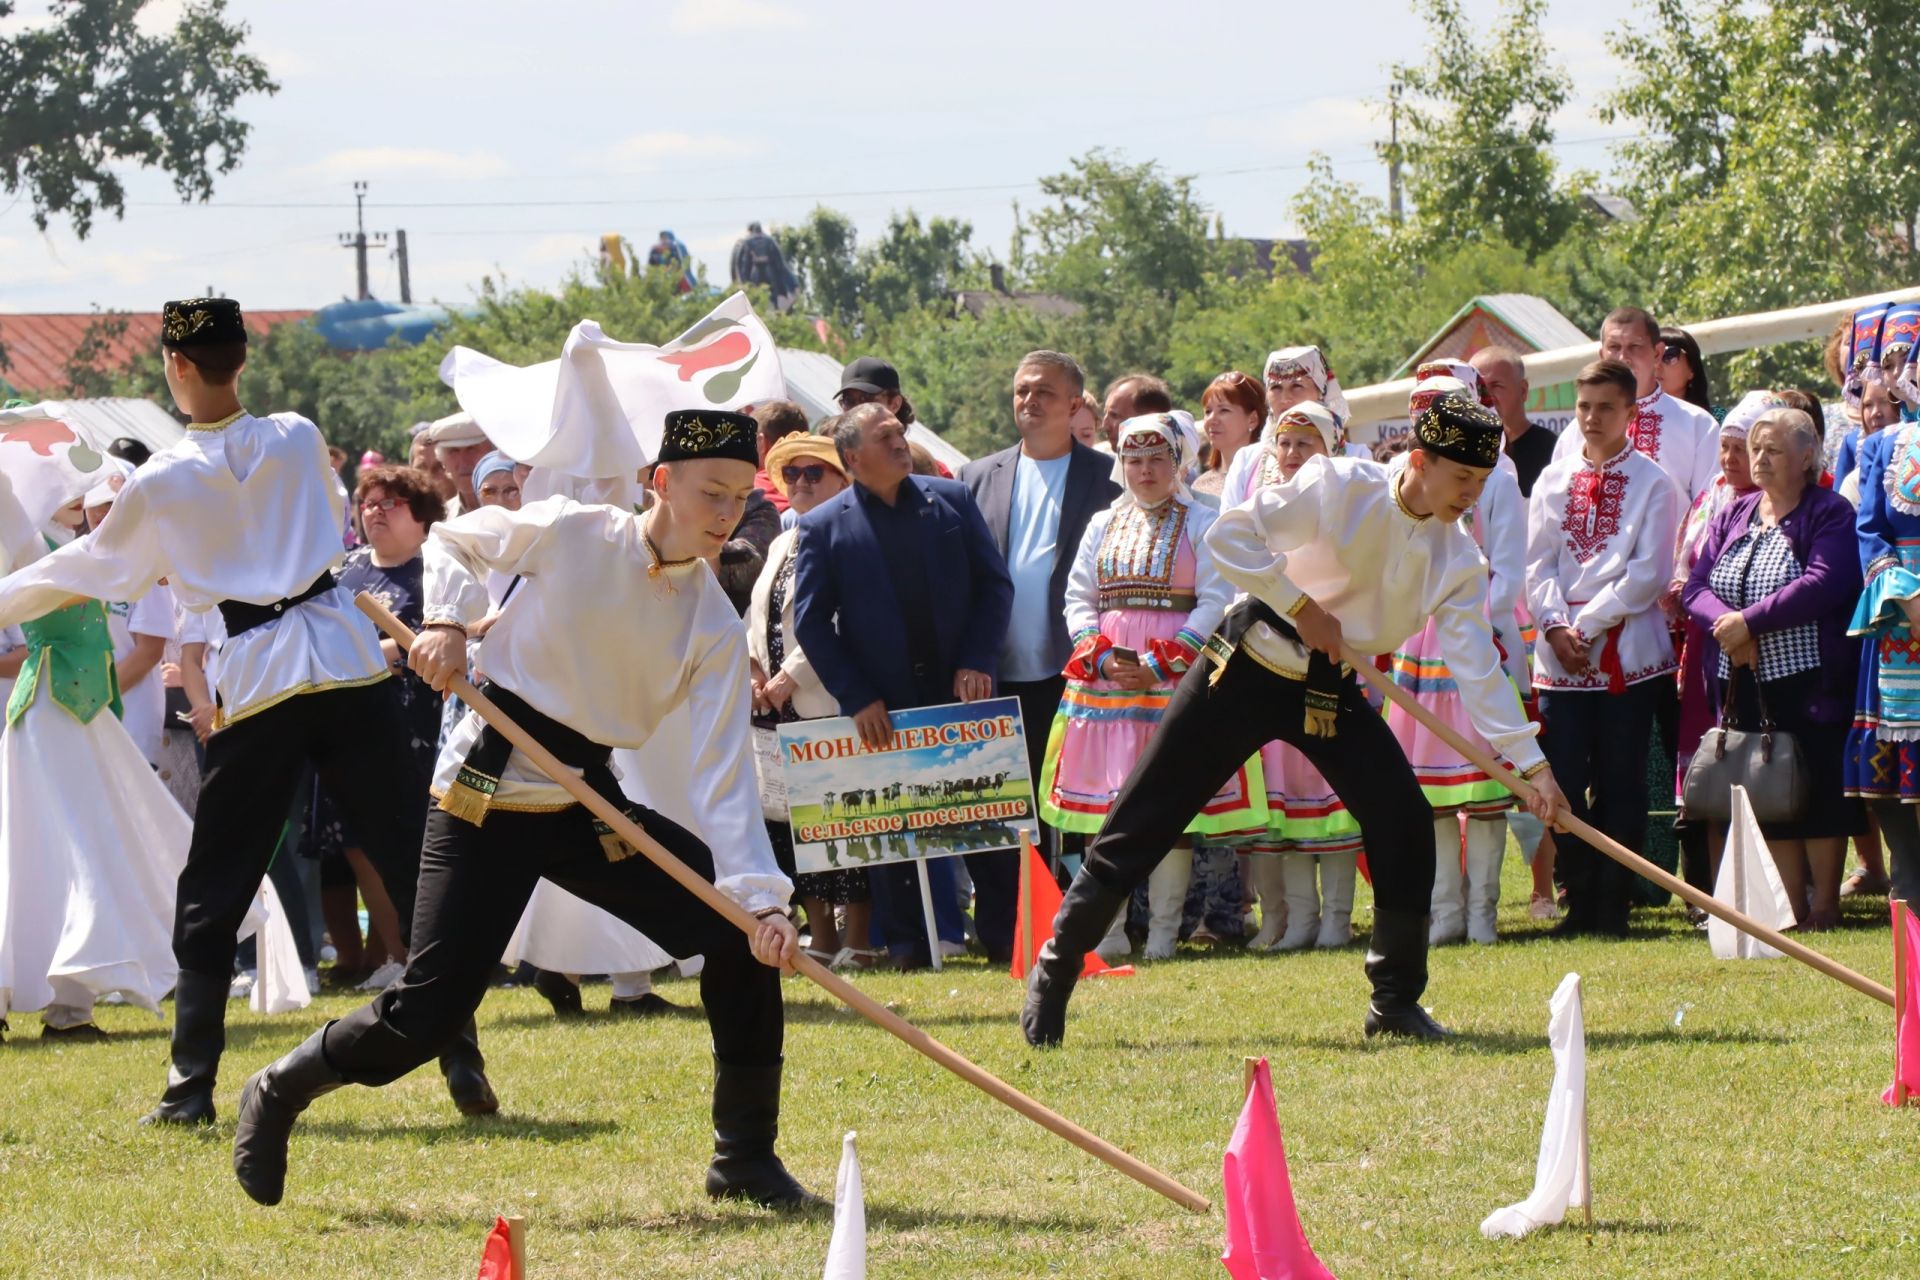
1024	911
1901	910
1250	1065
1583	1177
1613	848
517	1244
736	915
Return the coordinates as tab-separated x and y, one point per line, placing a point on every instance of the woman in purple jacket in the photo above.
1774	586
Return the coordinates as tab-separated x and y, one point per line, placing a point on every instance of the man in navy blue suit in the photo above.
901	600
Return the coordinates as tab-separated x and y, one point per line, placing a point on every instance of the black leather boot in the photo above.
1397	967
466	1072
746	1118
269	1104
561	992
1085	912
199	1037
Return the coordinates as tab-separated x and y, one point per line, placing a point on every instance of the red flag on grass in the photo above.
1906	1007
1033	925
496	1259
1265	1240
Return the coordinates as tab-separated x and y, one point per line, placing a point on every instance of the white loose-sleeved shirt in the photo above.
1599	554
245	510
1337	532
597	642
145	703
1684	439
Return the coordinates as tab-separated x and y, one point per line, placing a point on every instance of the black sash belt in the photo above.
1325	680
472	792
242	617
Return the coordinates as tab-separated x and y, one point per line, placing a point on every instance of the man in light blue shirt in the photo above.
1037	498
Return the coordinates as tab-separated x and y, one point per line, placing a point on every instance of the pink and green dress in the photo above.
1142	580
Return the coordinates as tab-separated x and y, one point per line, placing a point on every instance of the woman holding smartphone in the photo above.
1141	600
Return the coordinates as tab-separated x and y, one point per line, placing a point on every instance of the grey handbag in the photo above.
1767	762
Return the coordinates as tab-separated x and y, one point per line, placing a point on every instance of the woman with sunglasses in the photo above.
806	470
1683	371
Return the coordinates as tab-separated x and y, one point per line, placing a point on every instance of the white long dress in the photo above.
91	847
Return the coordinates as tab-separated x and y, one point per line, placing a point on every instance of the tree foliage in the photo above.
854	285
89	90
1768	160
1477	126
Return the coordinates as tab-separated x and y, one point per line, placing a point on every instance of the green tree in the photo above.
1477	132
1114	228
1765	161
89	90
853	284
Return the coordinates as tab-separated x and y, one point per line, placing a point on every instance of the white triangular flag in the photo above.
1748	882
281	986
847	1251
1561	1181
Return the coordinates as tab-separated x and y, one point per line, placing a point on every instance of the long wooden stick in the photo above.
1613	848
842	990
1901	910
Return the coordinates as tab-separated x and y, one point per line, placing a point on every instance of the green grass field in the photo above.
1745	1139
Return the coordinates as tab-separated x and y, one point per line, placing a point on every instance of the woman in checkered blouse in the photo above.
1775	583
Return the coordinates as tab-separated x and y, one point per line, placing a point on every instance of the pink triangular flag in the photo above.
1906	981
1265	1240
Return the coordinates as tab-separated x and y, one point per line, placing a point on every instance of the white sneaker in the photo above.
952	950
383	977
313	980
242	986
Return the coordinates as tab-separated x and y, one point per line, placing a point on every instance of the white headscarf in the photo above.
1458	371
1309	415
1309	361
1742	416
1175	430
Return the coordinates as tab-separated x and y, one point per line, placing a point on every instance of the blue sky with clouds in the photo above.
506	137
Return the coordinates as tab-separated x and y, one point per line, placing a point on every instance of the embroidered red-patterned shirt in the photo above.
1683	439
1599	553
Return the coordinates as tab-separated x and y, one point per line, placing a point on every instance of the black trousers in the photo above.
1208	731
356	739
474	884
1596	743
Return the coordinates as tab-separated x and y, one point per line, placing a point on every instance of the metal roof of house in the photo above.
38	347
1532	319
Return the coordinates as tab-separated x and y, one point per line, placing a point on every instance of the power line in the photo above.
768	197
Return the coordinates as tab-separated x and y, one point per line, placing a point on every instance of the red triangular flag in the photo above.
1265	1240
1033	924
496	1259
1906	1007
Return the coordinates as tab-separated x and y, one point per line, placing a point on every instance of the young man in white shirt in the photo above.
1600	536
1346	552
617	622
242	515
1684	439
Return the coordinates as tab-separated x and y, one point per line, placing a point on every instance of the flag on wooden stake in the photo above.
1748	882
847	1251
1265	1240
1033	924
1562	1179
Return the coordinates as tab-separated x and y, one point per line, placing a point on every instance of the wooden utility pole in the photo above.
1393	152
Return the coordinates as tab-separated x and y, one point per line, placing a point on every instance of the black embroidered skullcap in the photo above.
709	433
201	322
1460	430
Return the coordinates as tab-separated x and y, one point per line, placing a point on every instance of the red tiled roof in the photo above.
38	346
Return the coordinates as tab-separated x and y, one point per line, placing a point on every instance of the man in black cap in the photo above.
871	380
243	515
598	585
1348	552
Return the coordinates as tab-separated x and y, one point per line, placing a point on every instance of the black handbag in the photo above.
1766	761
